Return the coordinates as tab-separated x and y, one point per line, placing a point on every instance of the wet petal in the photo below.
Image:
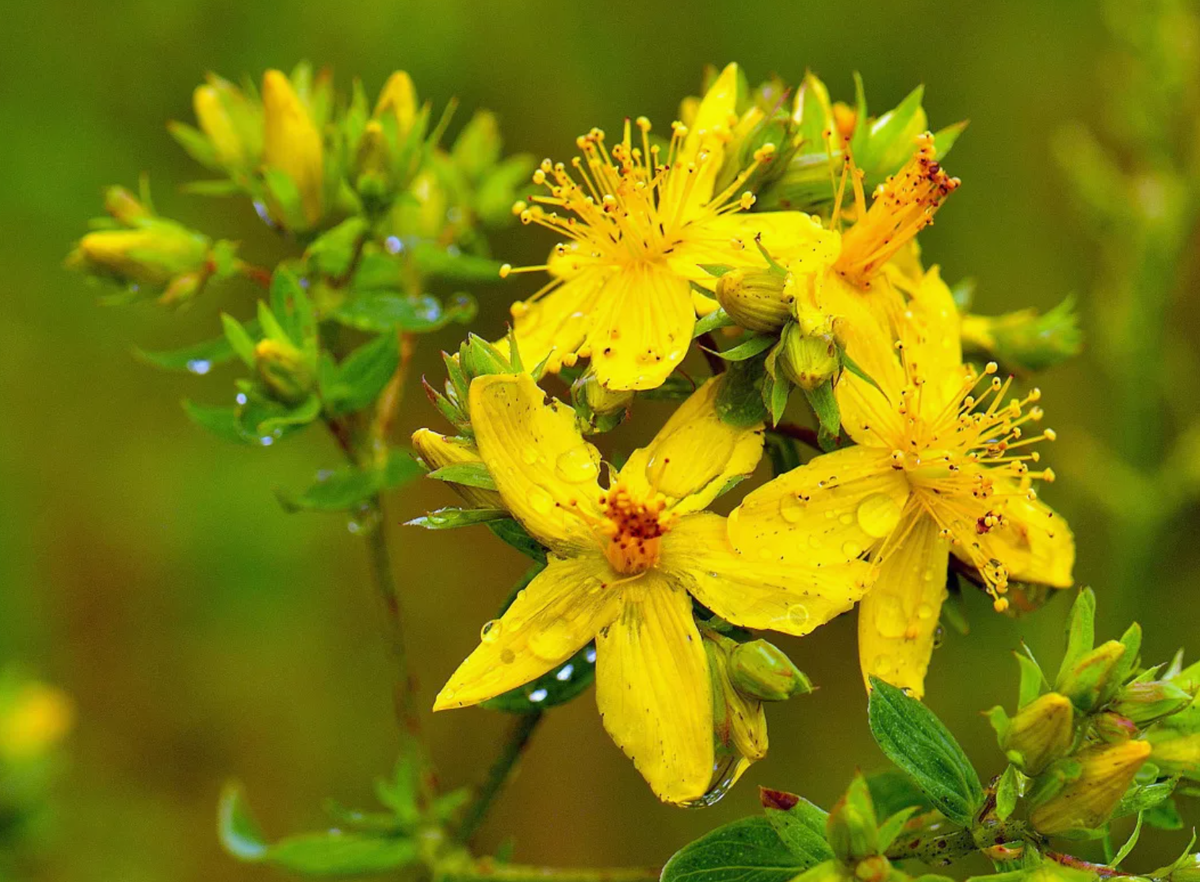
790	237
831	510
563	608
708	132
545	472
643	328
653	689
558	322
931	333
793	596
695	454
898	618
1036	545
438	451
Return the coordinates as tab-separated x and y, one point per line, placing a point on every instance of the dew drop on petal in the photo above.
508	656
878	515
529	456
797	615
925	611
540	501
490	632
882	665
552	642
890	618
576	465
791	508
851	549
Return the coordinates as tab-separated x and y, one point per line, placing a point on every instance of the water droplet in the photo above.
891	620
939	636
815	540
882	665
564	673
393	244
590	655
797	615
725	772
553	642
529	456
925	611
241	398
538	695
878	515
791	508
266	440
200	366
490	632
577	465
508	656
851	549
846	518
540	501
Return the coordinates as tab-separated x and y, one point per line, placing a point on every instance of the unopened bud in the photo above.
283	370
1113	728
151	255
1087	802
851	827
756	299
480	358
1146	702
1026	339
399	100
1184	870
438	451
477	148
215	121
739	724
807	360
1041	732
125	207
292	145
1176	752
762	670
1088	683
602	401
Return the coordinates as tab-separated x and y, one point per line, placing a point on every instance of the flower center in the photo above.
632	529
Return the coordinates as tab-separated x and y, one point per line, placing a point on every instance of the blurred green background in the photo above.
204	633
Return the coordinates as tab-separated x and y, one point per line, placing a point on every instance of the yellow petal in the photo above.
931	333
1036	545
898	618
291	142
793	596
559	322
399	97
643	328
790	237
694	455
563	608
653	689
831	510
438	451
704	145
544	470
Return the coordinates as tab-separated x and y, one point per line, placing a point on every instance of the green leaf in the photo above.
330	853
715	320
894	826
469	474
1081	629
916	740
748	850
289	417
799	824
332	253
454	265
362	375
349	487
239	339
390	311
291	306
1007	791
892	790
1164	816
852	366
1033	681
1143	797
746	349
829	417
199	358
508	530
738	402
1129	843
453	518
221	421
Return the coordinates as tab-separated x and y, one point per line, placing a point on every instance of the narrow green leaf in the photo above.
334	853
916	740
454	265
1125	849
852	366
349	487
1143	797
1033	681
892	790
1081	629
1007	791
748	850
453	518
362	375
715	320
508	530
829	417
221	421
390	311
746	349
469	474
239	339
894	826
239	833
199	358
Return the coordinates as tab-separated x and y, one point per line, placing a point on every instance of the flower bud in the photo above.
215	121
399	100
126	208
757	299
292	145
599	400
438	451
1086	802
1025	339
807	359
1146	702
33	719
151	255
851	827
1176	752
480	358
762	670
1088	682
284	370
477	148
1186	869
1113	728
739	724
1041	732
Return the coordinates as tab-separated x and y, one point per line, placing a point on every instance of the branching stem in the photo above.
498	775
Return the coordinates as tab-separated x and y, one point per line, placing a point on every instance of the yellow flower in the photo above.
938	467
623	563
638	226
292	143
438	451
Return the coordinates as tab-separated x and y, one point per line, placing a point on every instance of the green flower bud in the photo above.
739	724
1087	802
851	827
1176	752
480	358
1088	683
1146	702
762	670
1041	732
1113	728
757	299
293	148
477	147
599	400
232	123
151	255
438	451
283	370
125	207
1185	870
807	359
1025	339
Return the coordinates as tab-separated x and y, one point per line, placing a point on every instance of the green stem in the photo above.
499	774
404	690
933	847
487	870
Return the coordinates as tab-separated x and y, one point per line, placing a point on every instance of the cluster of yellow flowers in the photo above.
941	464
